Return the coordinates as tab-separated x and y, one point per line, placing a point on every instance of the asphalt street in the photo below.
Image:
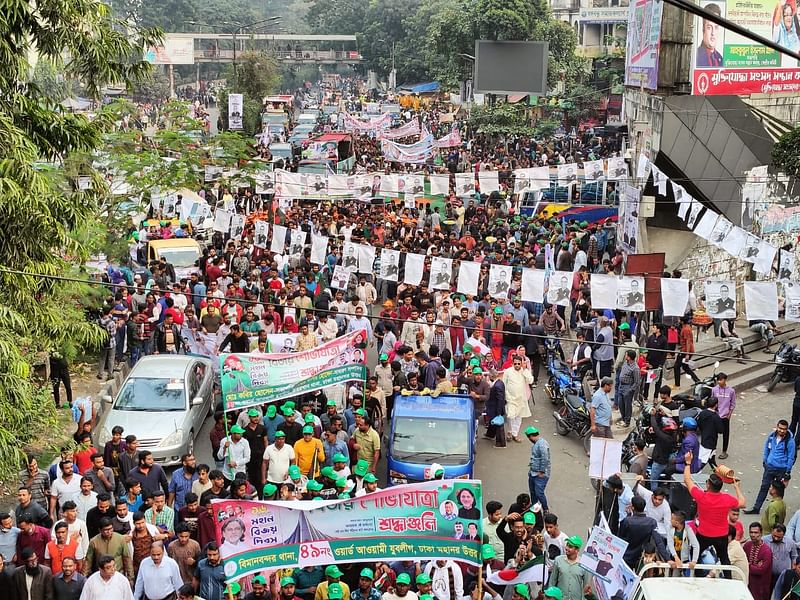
569	492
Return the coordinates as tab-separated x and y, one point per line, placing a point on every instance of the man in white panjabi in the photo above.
518	390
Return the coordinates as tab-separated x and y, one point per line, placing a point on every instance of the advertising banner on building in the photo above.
255	379
174	51
726	63
643	43
433	519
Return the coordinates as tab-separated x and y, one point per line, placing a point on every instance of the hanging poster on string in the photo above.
390	265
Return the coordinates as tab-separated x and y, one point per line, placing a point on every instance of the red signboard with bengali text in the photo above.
745	81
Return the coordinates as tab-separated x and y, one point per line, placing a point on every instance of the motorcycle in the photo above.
560	374
787	365
573	416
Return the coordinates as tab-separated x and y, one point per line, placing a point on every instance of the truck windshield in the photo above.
443	440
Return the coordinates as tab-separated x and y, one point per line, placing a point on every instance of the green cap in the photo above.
423	579
339	457
294	472
575	541
361	412
343	496
287	581
237	429
467	348
474	361
384	357
487	552
328	472
425	596
529	518
308	429
531	431
270	489
370	478
403	579
260	579
523	590
309	418
367	572
290	404
477	371
313	485
272	410
253	413
287	412
498	310
280	433
333	572
553	592
624	326
341	482
361	468
233	588
439	471
335	591
330	403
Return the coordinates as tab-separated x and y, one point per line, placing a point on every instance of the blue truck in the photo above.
426	430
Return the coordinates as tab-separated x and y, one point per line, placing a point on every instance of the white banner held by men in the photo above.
532	285
468	275
319	248
415	265
278	239
604	291
499	280
390	265
441	273
674	297
761	300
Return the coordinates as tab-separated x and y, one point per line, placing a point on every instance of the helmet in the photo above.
689	423
668	424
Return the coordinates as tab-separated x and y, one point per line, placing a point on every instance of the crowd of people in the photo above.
108	522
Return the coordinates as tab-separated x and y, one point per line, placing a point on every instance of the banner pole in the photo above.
480	582
228	437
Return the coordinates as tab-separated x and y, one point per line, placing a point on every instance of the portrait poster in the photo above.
499	280
235	111
441	273
791	294
763	260
532	285
706	225
721	299
558	288
350	254
602	554
297	242
593	170
567	174
341	277
260	234
630	293
674	297
786	264
617	169
222	220
465	184
390	265
237	227
282	343
720	232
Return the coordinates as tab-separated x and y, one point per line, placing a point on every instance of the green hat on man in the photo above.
314	485
498	310
280	433
331	402
287	581
529	518
233	588
237	429
287	412
383	357
426	596
259	579
477	371
294	472
531	431
270	489
272	410
624	326
253	413
403	579
361	468
367	573
341	482
487	552
290	404
575	541
553	592
339	458
423	579
328	472
308	429
370	478
335	591
361	412
333	572
523	590
474	361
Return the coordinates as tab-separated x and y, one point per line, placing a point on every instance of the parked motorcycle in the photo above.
573	416
787	365
560	374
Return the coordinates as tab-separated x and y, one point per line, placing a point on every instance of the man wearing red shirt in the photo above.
712	511
213	271
31	536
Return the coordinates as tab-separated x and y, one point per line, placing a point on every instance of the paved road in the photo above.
571	497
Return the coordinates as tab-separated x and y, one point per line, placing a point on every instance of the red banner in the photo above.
730	82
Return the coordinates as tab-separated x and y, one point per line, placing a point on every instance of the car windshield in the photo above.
151	394
180	256
444	440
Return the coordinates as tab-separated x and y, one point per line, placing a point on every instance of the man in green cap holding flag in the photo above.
567	575
538	467
521	591
234	451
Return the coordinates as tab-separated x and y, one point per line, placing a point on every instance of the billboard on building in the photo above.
643	43
511	67
725	63
174	51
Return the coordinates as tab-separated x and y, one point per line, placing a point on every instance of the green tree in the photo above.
501	119
41	208
786	153
257	75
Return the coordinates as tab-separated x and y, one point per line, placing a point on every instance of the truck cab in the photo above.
426	430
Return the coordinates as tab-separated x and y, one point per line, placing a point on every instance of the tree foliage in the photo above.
501	119
40	207
786	153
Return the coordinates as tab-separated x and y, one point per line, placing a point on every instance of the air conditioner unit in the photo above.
647	207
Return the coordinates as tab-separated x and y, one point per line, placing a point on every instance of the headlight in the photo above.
397	478
173	439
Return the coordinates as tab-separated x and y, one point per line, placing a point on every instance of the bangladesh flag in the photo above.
533	571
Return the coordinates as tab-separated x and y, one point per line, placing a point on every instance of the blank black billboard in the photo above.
511	67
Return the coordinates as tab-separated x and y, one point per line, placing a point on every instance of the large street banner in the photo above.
433	519
235	111
643	43
248	380
726	63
